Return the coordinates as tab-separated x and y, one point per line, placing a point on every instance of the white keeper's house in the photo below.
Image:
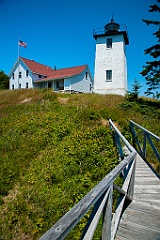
30	74
110	74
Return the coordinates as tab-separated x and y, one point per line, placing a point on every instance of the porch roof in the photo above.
63	73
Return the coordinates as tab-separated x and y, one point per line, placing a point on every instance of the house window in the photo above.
49	85
40	76
12	86
57	84
12	75
86	75
109	42
19	85
108	75
27	73
20	74
26	84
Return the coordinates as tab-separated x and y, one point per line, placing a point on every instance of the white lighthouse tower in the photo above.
110	75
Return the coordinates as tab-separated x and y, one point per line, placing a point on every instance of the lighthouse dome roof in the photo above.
112	26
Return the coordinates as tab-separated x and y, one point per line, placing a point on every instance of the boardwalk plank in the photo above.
145	207
131	234
141	220
144	220
146	182
146	214
148	196
140	231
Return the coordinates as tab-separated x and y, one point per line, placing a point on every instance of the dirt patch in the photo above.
26	100
11	196
104	122
63	100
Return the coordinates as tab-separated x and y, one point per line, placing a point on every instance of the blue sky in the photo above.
60	32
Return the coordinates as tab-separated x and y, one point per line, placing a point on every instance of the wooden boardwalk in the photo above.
141	220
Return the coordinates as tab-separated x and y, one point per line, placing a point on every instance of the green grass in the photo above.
54	149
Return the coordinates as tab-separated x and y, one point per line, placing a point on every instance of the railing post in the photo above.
144	146
107	218
95	216
119	146
131	185
146	136
153	147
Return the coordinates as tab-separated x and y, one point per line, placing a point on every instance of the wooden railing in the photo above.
100	199
142	140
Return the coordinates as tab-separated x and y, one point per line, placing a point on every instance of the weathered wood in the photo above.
150	202
71	218
137	231
136	216
92	227
127	144
144	145
146	182
145	130
144	207
121	238
128	177
106	229
146	136
147	196
116	218
120	190
155	187
141	220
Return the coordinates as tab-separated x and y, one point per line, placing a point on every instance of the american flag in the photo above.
22	44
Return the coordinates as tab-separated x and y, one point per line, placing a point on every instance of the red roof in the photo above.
37	67
50	73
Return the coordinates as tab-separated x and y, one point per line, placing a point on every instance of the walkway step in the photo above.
141	220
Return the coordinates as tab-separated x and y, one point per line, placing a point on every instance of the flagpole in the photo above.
18	46
18	63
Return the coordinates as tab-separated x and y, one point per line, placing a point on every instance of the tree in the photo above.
151	71
133	94
4	81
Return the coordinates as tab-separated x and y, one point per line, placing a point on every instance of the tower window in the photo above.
109	75
27	73
26	84
20	74
86	75
109	42
12	75
12	86
19	85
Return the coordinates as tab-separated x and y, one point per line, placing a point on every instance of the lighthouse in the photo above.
110	73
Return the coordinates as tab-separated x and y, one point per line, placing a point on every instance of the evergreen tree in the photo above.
135	88
151	71
133	94
4	81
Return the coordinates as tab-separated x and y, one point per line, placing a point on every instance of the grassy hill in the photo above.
54	148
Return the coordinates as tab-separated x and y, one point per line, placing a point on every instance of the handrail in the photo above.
145	130
146	136
119	134
100	198
102	30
